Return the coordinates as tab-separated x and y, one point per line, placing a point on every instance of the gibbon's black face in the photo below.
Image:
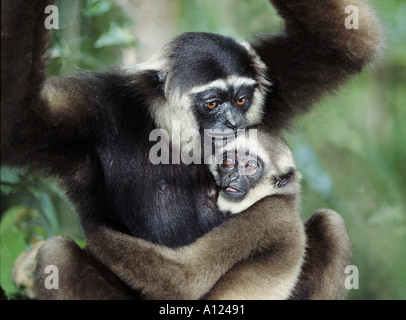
239	175
223	105
210	82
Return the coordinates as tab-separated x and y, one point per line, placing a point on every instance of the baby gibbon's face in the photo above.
239	175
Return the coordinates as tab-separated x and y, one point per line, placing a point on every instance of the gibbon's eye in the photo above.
212	104
251	166
228	163
241	101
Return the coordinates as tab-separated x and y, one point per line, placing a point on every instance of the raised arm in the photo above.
40	121
320	49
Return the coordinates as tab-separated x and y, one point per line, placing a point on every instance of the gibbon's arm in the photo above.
322	275
328	253
190	272
80	276
40	123
272	273
316	54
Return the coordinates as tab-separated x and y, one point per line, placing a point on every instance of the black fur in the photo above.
203	57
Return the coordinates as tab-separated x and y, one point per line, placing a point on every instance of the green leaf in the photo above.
11	245
116	36
97	9
10	175
48	210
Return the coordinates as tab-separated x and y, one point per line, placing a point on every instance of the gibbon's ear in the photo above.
161	78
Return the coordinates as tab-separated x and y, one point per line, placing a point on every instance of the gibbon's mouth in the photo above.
233	192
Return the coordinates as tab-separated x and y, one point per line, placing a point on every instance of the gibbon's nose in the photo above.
234	122
233	175
226	181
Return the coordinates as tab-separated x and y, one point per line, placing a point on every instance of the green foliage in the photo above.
12	243
91	36
235	18
32	209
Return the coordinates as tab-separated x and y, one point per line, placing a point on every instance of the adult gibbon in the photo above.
92	131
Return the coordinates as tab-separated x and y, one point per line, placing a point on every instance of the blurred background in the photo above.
351	150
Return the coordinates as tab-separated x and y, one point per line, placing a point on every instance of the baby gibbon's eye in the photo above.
251	166
228	163
211	104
